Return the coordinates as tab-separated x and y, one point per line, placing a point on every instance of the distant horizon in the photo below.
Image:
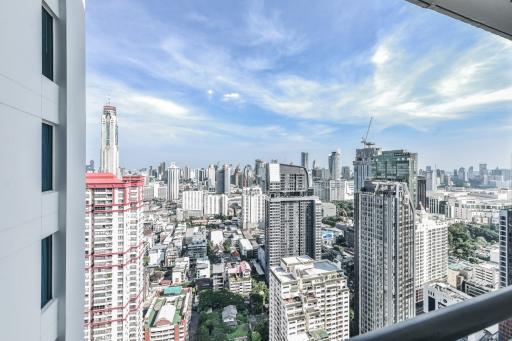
227	80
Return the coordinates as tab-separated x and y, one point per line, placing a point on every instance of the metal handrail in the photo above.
449	323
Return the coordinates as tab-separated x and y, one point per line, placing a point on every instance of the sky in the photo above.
200	82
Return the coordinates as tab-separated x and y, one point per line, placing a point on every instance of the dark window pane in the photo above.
47	157
47	44
46	270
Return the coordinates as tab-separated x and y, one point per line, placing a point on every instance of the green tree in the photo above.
262	329
217	300
255	336
227	245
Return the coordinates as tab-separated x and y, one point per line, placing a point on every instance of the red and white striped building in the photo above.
114	248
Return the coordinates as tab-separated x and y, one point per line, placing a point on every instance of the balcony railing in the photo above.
450	323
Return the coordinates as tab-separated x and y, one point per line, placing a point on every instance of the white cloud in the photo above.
381	56
231	97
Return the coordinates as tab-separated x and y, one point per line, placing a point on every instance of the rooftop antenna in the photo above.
364	140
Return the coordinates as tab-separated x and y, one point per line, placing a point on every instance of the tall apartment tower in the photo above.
210	174
505	328
335	165
223	180
363	166
109	154
253	207
431	250
309	300
431	180
397	165
114	247
42	153
173	182
293	218
304	160
384	221
247	176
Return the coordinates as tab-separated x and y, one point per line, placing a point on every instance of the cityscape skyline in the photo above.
291	88
251	178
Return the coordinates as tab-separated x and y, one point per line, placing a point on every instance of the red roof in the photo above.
109	180
101	178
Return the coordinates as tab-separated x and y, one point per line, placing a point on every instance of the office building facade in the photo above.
363	166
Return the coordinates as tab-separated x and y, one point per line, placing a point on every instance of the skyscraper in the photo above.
335	165
109	162
363	166
431	180
304	160
223	180
247	176
345	172
173	182
384	221
253	207
421	192
113	257
309	300
292	217
42	153
397	165
210	173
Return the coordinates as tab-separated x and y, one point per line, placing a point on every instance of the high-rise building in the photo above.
253	207
335	165
482	169
332	190
109	162
42	153
192	201
304	160
173	182
363	166
309	300
461	174
384	252
505	328
210	173
223	180
237	177
345	172
421	192
215	204
114	246
293	218
431	250
397	165
431	180
247	176
260	171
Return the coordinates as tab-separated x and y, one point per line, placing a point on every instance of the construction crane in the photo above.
364	140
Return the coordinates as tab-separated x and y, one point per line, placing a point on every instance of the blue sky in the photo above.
199	82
